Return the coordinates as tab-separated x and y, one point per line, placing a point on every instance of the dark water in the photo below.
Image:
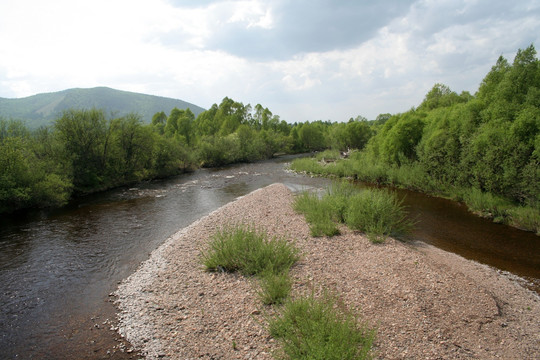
57	268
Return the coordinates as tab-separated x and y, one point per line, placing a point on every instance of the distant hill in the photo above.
42	109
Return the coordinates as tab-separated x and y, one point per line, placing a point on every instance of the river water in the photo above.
57	268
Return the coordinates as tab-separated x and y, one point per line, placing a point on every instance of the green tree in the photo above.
85	135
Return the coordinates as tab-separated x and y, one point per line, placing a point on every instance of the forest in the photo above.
483	149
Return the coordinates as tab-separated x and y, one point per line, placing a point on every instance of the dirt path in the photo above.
424	302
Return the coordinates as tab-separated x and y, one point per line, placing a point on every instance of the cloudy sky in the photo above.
303	59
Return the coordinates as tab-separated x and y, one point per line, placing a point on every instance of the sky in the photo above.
303	59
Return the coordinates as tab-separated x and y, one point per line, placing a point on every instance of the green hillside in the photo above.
42	109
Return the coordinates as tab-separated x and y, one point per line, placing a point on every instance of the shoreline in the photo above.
424	302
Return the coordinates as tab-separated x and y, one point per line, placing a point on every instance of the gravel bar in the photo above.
424	303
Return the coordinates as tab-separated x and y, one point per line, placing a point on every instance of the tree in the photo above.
85	135
158	122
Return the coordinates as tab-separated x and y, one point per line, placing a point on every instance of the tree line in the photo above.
85	150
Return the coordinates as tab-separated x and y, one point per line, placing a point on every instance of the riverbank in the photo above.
424	302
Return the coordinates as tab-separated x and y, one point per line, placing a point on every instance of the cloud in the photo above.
270	30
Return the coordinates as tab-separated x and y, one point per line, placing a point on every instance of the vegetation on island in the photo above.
308	327
376	212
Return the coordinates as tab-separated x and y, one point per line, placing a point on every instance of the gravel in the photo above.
425	303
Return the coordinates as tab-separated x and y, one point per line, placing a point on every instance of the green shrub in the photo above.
377	213
316	328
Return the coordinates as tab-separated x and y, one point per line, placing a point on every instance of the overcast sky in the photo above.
303	59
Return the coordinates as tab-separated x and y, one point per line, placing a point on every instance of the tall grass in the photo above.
316	328
307	165
318	213
376	212
525	218
330	155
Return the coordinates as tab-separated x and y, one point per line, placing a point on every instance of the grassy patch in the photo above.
486	204
316	328
248	251
527	218
328	155
318	214
376	212
307	165
275	288
252	252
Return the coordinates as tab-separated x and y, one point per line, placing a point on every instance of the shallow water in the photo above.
57	268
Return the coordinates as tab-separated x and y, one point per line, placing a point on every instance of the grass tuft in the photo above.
319	214
377	213
316	328
252	252
275	288
248	251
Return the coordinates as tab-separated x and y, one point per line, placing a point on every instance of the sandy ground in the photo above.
424	302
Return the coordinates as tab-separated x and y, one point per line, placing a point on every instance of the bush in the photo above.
311	328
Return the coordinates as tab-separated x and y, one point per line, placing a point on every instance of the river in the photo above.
57	268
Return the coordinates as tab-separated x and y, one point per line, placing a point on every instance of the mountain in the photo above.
42	109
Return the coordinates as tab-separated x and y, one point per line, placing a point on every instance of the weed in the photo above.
316	328
275	288
251	252
376	212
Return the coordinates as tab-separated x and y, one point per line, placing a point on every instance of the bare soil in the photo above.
425	303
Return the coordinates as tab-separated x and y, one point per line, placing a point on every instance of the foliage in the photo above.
318	214
275	287
317	328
